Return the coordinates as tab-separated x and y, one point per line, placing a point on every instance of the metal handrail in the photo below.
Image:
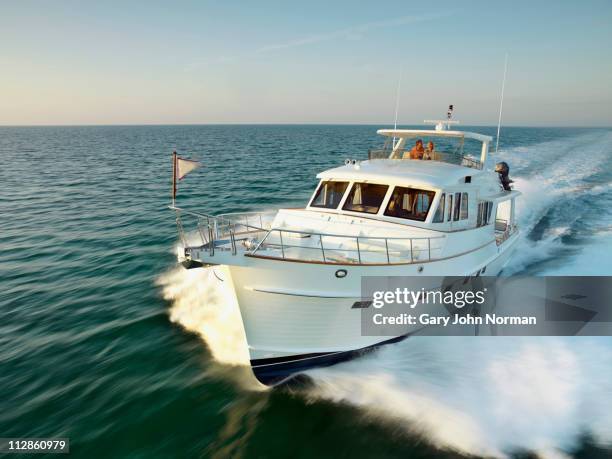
220	233
391	238
327	251
212	228
225	218
190	212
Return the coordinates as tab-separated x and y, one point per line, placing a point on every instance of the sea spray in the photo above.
203	301
561	181
486	395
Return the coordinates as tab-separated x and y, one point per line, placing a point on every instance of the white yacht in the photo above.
297	272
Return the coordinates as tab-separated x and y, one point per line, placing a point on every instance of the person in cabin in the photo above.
429	151
417	151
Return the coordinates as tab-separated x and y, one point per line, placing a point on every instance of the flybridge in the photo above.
397	147
398	150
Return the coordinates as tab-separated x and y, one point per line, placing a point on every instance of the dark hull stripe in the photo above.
279	369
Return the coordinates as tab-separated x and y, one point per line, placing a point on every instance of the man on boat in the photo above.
417	151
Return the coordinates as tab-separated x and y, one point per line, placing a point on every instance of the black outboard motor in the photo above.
503	170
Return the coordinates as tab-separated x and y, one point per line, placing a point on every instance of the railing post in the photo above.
358	250
387	247
261	242
201	232
260	221
233	241
322	249
429	247
246	217
179	225
211	243
411	252
282	245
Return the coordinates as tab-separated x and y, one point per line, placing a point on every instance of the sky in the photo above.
75	62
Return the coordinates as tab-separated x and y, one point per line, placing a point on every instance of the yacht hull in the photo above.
298	315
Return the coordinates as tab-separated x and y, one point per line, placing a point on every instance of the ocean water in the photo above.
104	340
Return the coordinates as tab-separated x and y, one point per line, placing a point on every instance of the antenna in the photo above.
397	101
501	103
444	125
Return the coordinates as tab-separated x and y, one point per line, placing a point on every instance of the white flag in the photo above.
185	166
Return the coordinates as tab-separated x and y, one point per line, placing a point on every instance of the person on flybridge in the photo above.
417	151
429	151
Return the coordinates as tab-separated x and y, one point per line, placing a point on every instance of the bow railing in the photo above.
309	246
253	234
221	231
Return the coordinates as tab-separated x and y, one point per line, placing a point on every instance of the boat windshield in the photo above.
444	149
365	197
329	194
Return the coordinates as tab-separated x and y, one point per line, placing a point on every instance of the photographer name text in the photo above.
467	319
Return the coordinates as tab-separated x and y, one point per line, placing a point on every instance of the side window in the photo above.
439	215
329	195
450	208
457	208
460	211
484	213
463	215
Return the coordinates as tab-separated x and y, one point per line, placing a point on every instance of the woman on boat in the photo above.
429	152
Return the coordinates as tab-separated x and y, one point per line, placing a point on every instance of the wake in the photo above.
486	395
557	182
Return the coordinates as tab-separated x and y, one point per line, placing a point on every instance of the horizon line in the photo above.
256	123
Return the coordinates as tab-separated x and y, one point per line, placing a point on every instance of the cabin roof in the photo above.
414	172
409	133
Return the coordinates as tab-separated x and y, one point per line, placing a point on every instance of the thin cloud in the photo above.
349	33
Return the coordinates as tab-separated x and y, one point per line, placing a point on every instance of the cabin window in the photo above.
457	206
409	203
329	195
460	211
365	197
484	213
439	215
463	215
450	208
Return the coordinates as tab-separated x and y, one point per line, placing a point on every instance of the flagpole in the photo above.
173	178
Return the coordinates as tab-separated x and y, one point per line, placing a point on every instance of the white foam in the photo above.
204	304
483	395
548	173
